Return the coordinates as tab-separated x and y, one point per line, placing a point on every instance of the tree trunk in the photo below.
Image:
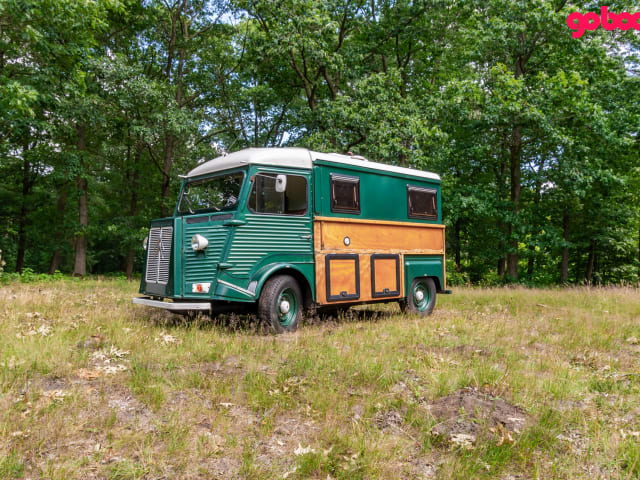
22	220
502	266
457	253
502	192
133	206
59	232
515	149
588	276
170	139
80	241
564	264
167	155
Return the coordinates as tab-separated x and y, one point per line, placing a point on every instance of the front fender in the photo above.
296	270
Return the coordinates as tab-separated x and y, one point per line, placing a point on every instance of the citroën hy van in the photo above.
287	229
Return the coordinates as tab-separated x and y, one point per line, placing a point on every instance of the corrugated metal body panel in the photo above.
202	266
268	234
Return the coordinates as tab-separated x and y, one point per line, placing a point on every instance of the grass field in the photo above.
497	383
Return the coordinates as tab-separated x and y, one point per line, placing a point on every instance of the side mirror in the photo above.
281	183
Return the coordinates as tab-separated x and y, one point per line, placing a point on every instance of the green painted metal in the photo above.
279	265
383	195
202	266
243	251
265	236
423	266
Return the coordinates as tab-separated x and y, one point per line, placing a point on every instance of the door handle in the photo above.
233	223
306	237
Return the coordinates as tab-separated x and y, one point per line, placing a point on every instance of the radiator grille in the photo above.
159	255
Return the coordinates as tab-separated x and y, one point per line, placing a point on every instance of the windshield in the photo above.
213	194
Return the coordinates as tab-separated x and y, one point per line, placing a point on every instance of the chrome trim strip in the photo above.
175	306
238	289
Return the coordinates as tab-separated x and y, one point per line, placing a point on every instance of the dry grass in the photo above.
95	387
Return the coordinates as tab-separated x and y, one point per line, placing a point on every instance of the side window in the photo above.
265	199
422	202
345	194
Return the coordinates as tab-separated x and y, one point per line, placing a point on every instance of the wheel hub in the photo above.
419	295
284	307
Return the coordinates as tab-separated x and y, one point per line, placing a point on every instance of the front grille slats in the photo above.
159	255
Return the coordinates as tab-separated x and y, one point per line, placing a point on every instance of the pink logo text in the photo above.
609	21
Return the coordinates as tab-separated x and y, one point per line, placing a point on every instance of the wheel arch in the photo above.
435	279
290	269
421	266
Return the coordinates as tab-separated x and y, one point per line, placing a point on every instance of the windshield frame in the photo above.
182	210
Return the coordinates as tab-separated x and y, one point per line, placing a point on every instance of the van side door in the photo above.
278	227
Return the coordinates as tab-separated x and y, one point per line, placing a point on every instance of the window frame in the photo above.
346	179
268	174
419	216
188	182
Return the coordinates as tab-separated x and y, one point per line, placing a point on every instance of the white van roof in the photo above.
296	157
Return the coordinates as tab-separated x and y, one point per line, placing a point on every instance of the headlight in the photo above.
198	242
145	242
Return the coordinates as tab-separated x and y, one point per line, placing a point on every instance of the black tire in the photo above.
421	298
276	292
402	303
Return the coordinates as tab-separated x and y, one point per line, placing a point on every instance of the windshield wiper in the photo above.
185	196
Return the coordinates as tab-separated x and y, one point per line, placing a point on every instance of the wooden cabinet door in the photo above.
385	275
342	276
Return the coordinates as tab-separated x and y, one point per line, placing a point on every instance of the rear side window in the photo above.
345	194
265	199
422	202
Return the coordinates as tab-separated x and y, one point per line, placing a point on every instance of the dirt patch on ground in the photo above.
231	365
130	412
468	414
423	468
389	420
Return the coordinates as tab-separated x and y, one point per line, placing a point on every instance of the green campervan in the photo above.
286	229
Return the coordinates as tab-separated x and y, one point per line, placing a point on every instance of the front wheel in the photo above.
280	303
421	298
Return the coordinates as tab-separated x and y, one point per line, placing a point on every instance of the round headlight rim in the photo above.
199	243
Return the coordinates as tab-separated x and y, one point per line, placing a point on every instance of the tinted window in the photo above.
345	194
422	202
265	199
213	194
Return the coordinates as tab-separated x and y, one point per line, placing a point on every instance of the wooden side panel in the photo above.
380	238
369	239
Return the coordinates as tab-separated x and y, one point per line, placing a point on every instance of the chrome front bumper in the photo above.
174	306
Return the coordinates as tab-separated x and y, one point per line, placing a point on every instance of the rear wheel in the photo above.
421	298
280	303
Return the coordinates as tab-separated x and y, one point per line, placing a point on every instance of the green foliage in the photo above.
29	276
531	130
